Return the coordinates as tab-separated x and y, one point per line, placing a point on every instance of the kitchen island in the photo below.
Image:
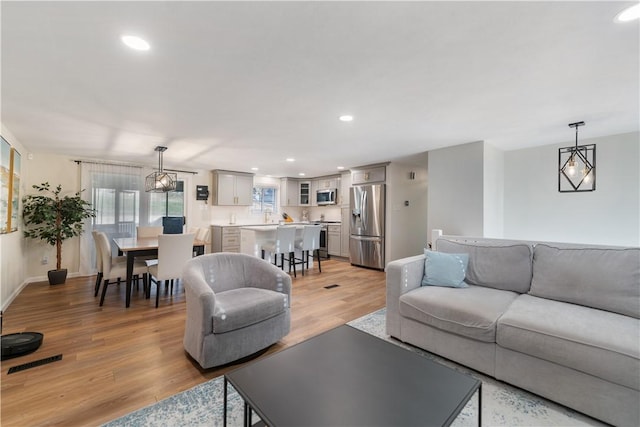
253	237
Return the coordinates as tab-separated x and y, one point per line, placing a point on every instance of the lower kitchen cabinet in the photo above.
334	240
225	239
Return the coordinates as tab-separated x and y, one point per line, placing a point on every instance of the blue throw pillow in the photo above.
442	269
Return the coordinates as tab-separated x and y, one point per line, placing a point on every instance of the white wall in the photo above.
493	192
12	245
534	209
456	190
406	226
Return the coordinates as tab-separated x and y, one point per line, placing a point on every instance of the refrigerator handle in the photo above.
364	210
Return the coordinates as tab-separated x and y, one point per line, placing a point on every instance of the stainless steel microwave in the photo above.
328	196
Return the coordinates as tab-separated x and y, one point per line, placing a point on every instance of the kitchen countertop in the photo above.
262	224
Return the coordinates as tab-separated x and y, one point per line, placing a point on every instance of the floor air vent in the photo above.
331	286
34	363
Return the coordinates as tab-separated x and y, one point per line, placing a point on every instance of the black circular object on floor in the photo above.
19	344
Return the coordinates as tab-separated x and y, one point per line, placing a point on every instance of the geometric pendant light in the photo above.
577	166
160	181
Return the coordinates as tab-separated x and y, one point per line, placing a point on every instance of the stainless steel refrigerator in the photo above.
366	240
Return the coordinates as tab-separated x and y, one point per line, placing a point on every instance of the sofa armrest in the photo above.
403	275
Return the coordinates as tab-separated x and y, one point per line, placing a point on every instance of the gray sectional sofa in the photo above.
560	320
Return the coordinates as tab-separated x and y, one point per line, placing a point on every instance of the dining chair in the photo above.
94	234
310	241
116	259
114	270
174	250
144	231
284	243
203	235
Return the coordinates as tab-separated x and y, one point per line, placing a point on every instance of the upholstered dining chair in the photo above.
284	243
112	270
203	235
174	250
309	242
114	260
237	305
144	231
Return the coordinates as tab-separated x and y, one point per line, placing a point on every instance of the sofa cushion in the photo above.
600	343
443	269
238	308
471	312
499	265
608	279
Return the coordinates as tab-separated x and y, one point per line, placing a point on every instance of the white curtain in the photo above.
117	194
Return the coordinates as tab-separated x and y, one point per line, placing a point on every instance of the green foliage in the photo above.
54	219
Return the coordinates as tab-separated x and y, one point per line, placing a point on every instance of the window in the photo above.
265	200
166	204
116	192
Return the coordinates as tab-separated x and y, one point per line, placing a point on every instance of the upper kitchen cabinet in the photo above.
232	188
289	192
314	190
343	192
328	182
368	174
305	193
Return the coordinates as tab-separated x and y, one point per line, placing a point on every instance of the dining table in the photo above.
143	246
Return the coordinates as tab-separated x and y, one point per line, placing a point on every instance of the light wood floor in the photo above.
117	360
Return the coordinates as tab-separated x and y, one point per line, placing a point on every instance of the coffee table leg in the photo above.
224	411
480	405
247	415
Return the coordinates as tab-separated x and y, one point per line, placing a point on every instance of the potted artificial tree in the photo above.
54	219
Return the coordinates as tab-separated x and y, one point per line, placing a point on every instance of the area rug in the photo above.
502	404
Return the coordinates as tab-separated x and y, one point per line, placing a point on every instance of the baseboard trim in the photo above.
28	281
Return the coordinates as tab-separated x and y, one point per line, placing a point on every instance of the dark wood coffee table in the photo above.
348	377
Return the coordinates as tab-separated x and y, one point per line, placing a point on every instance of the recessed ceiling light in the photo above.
629	14
301	174
135	42
291	159
254	169
346	118
340	167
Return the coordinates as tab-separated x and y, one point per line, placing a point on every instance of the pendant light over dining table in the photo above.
577	166
160	181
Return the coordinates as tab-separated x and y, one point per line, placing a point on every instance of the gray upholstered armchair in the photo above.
236	305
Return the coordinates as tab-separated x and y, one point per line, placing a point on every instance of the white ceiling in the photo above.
235	85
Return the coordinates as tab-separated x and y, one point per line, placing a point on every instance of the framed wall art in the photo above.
10	165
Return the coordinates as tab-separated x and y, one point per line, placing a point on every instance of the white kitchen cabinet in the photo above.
328	182
368	175
232	188
225	239
314	190
305	193
289	192
344	232
343	192
334	239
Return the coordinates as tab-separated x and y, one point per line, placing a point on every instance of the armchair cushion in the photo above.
231	310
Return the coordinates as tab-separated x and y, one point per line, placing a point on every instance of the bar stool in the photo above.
283	244
310	241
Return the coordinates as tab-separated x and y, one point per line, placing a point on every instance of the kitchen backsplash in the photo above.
243	215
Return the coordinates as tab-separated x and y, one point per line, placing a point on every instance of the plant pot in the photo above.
57	277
